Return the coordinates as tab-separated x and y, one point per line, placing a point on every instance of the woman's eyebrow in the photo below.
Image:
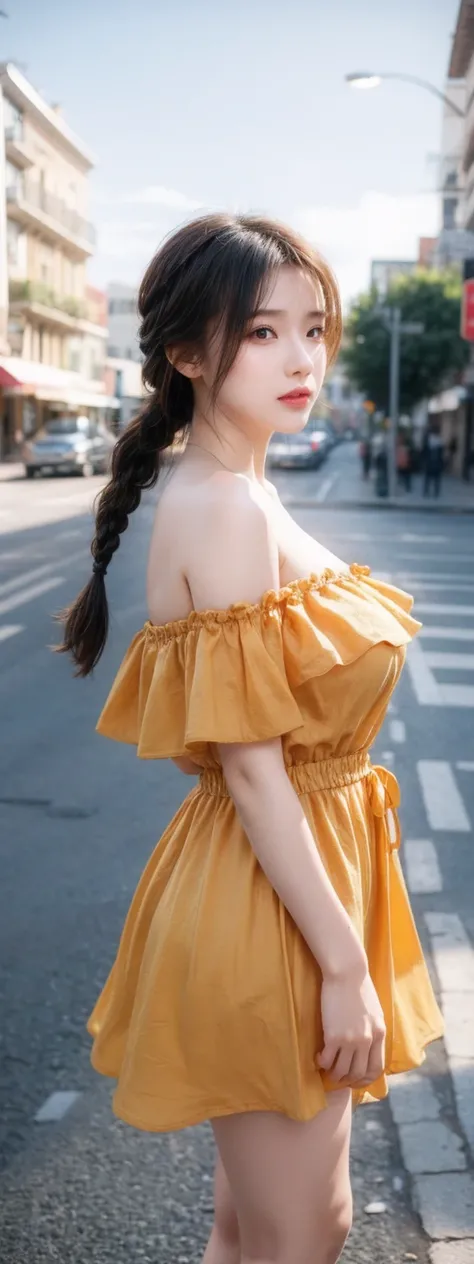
278	311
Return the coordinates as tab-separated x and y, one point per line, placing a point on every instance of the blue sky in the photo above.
207	103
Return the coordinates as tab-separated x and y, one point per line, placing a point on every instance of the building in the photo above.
384	271
461	66
124	382
123	322
55	336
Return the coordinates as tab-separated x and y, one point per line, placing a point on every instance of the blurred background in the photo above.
118	122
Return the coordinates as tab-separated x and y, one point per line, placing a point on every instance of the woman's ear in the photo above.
184	362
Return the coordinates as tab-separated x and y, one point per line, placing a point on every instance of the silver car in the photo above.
69	445
305	450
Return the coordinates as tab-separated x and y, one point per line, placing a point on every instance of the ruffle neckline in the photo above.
289	594
235	675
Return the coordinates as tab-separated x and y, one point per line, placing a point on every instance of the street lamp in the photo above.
366	79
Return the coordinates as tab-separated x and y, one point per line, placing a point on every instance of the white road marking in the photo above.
10	629
450	661
457	695
410	537
432	607
443	801
388	757
454	959
449	576
427	585
323	492
422	869
28	594
465	765
424	684
397	730
27	577
55	1106
437	633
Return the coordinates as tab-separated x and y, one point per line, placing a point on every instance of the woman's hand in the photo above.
354	1030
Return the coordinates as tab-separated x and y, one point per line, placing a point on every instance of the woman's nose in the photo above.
300	358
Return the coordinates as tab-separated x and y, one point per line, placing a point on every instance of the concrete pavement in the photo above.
78	819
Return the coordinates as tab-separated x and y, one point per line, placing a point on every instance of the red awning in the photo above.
7	379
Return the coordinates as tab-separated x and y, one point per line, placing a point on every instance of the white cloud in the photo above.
150	195
380	226
158	195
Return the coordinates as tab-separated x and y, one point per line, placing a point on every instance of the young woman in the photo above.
269	975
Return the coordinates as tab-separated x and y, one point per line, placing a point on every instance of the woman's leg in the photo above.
224	1243
290	1183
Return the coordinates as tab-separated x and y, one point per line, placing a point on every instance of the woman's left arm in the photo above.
187	765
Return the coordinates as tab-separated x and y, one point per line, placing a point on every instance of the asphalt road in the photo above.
79	817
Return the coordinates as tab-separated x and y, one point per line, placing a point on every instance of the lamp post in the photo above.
366	79
392	318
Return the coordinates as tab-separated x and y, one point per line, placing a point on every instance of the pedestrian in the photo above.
433	460
269	976
381	464
404	462
366	456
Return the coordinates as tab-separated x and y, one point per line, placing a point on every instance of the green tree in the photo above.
428	361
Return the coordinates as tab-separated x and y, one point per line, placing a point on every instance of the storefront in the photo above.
30	393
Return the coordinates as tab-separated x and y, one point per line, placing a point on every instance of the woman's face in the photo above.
280	366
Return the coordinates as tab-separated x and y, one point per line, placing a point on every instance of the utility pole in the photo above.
393	320
395	327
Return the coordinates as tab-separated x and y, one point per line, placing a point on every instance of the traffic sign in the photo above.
467	311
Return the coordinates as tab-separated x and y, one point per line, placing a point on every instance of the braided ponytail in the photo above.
135	468
208	275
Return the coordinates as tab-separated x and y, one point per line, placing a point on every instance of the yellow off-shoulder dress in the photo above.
212	1005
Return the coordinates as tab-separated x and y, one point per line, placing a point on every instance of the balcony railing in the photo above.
38	199
38	292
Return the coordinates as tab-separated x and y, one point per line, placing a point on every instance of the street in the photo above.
79	817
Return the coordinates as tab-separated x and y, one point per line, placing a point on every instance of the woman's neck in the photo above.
230	446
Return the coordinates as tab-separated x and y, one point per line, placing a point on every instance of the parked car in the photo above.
69	445
306	450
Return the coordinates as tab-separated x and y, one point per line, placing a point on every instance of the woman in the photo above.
269	974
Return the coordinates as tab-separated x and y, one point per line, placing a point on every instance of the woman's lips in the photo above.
295	399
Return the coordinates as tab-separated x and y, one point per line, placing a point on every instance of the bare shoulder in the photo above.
231	554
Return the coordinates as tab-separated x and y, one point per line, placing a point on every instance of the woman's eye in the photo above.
260	333
318	330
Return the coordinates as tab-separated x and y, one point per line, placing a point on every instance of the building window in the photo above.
13	238
13	177
122	307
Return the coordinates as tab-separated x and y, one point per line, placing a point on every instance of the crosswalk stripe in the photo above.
397	730
28	594
422	868
424	683
432	607
456	695
427	585
10	629
436	633
443	801
27	577
454	960
450	661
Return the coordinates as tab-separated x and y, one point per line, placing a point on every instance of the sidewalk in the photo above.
348	490
11	469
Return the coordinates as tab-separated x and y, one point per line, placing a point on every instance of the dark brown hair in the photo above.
212	271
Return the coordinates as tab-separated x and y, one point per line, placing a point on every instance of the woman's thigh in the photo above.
290	1181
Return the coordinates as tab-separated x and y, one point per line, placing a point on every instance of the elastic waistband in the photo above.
323	774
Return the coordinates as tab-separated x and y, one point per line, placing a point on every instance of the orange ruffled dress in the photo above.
212	1005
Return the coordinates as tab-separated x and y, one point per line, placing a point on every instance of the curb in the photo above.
449	507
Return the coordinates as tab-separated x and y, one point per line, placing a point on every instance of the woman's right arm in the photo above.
237	561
